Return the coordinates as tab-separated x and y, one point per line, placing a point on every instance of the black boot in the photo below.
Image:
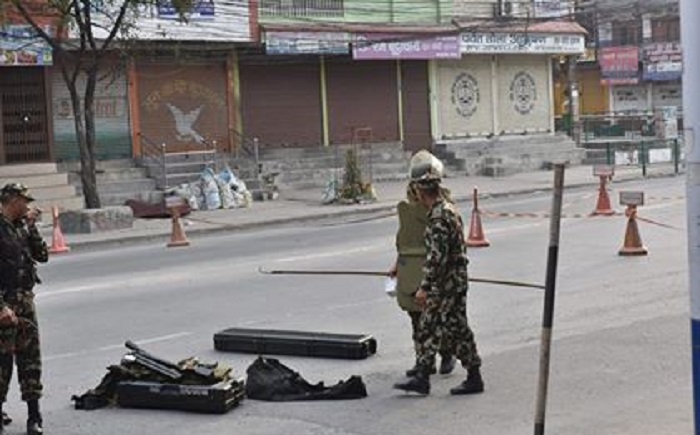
414	370
447	364
473	385
420	383
34	423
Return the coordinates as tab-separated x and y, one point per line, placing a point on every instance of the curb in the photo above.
373	209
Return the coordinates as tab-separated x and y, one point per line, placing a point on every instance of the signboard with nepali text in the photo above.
525	43
663	62
393	46
283	42
619	65
21	46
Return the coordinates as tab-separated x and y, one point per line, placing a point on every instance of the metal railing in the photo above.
248	148
153	155
642	152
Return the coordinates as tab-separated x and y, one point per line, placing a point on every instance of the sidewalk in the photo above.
305	205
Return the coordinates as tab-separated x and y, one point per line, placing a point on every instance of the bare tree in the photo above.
83	36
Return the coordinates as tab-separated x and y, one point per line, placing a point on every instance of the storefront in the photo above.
502	84
25	135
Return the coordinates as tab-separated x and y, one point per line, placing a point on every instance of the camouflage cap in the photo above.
12	190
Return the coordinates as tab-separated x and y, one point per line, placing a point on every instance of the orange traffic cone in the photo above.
476	237
177	237
58	243
633	241
603	207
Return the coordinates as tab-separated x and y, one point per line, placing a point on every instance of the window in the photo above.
626	33
666	29
301	8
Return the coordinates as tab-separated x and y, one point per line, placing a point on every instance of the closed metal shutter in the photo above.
281	100
112	129
23	105
183	106
416	105
362	95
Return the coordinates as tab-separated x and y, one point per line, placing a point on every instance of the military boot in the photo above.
420	383
472	385
447	364
414	370
34	423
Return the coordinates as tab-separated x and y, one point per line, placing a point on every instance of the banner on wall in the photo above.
394	46
663	62
619	65
20	46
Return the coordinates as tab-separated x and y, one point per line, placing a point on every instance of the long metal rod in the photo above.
386	274
549	292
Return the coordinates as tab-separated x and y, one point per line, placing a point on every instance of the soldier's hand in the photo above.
7	317
32	216
420	297
392	272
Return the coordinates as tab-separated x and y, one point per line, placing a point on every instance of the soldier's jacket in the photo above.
410	246
21	248
445	269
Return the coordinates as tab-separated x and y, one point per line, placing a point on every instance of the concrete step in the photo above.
313	152
120	198
55	192
9	171
100	165
113	175
36	181
136	185
66	203
191	156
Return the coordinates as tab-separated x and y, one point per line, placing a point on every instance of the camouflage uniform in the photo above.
20	248
445	282
410	246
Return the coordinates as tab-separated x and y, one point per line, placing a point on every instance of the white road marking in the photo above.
114	347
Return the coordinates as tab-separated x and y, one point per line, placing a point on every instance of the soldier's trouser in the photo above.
21	344
446	314
446	346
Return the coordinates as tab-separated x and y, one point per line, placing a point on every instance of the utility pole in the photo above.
690	40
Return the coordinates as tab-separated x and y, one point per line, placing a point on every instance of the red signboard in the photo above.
619	65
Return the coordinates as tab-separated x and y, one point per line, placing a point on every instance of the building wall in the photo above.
524	94
475	8
182	105
360	11
112	128
464	97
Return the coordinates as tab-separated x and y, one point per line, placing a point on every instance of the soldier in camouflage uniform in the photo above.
443	291
21	247
408	271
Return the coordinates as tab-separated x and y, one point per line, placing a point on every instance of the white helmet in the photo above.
425	168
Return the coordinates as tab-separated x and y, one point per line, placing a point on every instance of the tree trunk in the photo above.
87	172
87	148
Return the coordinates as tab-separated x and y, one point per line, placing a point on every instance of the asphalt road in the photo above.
620	356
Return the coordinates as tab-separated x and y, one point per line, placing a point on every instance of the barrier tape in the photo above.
653	222
542	215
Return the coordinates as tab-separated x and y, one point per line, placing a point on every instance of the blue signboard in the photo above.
201	9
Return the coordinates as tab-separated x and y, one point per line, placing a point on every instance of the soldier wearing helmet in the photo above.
443	290
408	268
21	247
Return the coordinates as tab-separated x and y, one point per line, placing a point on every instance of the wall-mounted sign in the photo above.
395	46
201	10
663	62
553	8
306	43
21	46
528	43
619	65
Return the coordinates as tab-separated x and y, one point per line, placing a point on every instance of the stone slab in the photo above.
96	220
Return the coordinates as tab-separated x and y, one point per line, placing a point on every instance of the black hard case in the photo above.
210	399
301	343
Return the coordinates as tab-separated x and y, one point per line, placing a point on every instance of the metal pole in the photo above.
643	158
676	156
608	153
549	292
690	34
